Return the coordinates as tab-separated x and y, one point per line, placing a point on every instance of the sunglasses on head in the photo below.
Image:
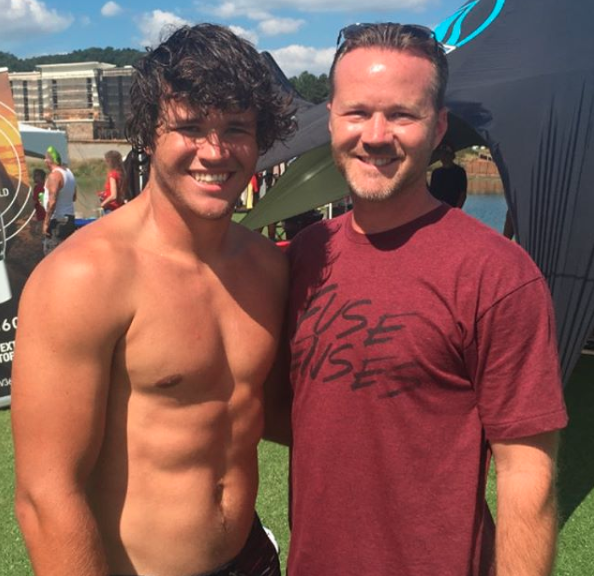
415	30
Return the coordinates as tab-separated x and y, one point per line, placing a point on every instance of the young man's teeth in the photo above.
211	178
378	161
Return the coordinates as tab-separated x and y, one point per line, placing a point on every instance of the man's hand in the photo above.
526	505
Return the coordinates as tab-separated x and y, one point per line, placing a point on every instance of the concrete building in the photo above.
89	100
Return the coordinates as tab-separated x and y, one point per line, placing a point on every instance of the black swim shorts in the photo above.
257	558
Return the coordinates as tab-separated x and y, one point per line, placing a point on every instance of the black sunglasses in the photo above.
416	30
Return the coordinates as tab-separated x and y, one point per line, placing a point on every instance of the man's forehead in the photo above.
181	111
380	58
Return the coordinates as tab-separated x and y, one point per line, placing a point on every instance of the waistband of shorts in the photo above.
224	568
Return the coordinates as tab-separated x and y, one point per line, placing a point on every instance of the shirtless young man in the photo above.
144	340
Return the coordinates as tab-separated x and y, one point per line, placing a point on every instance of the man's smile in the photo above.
376	161
211	178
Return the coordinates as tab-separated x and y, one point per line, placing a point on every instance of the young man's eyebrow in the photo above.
245	122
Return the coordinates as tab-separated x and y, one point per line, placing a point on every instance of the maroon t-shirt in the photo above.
411	349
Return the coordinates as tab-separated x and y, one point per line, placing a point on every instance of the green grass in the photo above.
13	557
272	496
576	487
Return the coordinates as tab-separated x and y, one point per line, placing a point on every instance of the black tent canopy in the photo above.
522	77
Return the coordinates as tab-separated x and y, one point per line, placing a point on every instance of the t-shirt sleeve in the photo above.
515	364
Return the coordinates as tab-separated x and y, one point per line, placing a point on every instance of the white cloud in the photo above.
156	25
229	10
244	7
275	26
111	9
247	34
84	20
295	59
24	17
225	10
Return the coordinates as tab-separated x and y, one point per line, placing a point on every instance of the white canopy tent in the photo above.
36	141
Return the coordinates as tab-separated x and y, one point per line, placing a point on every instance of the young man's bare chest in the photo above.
199	331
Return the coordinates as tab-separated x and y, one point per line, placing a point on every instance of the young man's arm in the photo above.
278	398
526	505
59	394
277	388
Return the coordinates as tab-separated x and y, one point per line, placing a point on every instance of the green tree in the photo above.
10	61
312	88
109	55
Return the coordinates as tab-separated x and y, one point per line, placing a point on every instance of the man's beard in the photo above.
369	193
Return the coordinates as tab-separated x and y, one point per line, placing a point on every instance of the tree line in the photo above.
109	55
310	87
313	88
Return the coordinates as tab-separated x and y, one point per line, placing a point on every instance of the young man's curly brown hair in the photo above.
207	67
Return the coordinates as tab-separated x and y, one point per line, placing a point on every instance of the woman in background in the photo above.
114	193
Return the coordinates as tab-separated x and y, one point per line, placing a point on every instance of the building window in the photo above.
40	98
55	93
25	100
89	92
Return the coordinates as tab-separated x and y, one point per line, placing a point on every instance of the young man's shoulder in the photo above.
90	261
256	242
259	251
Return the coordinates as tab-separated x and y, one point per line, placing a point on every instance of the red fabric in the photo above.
283	245
410	350
107	190
255	184
39	209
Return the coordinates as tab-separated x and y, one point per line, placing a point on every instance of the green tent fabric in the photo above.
310	181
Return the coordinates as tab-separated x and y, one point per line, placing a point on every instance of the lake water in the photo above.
488	208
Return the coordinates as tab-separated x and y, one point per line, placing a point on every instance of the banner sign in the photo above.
20	233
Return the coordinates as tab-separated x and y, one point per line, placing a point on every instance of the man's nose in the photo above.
377	131
213	147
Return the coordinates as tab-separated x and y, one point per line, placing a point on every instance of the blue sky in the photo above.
300	34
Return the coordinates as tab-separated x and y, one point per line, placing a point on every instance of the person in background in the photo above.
137	397
59	197
137	170
38	192
114	193
449	182
421	344
508	226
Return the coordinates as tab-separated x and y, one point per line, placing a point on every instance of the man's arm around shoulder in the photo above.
526	505
278	398
63	351
277	390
